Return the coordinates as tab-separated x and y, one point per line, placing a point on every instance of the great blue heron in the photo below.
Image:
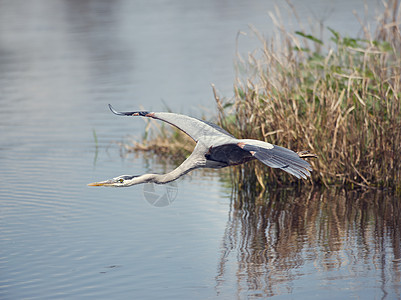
215	148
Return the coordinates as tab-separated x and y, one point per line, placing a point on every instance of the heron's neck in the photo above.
156	178
195	160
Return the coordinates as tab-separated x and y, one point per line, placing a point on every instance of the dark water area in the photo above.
313	245
61	63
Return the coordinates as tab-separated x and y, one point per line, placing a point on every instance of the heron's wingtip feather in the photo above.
279	157
114	111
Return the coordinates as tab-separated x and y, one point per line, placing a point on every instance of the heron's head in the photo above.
120	181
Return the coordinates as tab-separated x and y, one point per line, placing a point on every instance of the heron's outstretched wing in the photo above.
195	128
277	157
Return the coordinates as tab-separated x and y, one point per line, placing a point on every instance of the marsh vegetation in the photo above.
334	95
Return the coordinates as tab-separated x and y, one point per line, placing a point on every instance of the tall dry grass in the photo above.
339	99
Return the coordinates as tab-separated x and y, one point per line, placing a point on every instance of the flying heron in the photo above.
215	148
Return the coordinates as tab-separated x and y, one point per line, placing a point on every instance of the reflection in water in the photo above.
337	240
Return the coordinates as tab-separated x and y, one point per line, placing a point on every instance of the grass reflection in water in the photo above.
339	240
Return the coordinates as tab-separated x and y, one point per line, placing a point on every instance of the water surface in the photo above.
317	245
61	62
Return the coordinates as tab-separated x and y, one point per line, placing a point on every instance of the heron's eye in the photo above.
121	180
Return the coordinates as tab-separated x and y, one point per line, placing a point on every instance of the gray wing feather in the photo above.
193	127
282	158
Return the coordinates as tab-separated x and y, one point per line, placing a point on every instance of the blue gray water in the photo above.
61	62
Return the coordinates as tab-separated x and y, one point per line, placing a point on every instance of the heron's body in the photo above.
215	148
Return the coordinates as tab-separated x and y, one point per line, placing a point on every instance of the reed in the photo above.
339	99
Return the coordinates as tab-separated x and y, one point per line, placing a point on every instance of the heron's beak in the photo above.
101	183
